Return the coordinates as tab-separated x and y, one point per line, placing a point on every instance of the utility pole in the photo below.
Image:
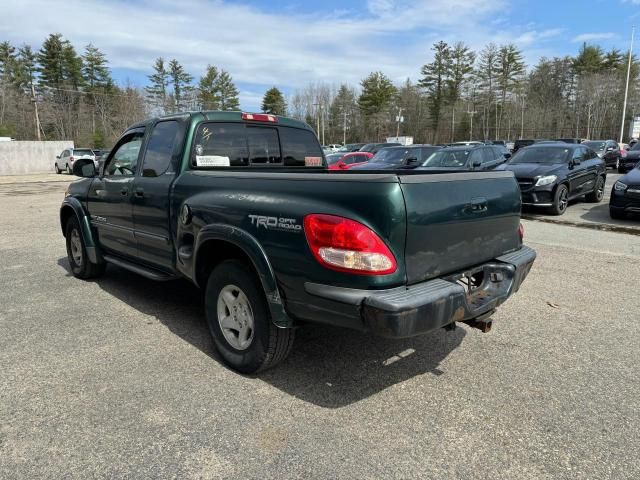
589	120
322	116
471	114
453	122
35	106
344	126
626	88
399	119
522	120
317	105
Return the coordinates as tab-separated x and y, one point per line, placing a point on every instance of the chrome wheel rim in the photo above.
563	201
600	189
235	317
76	247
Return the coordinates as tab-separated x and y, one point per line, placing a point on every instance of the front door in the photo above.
109	199
577	172
151	193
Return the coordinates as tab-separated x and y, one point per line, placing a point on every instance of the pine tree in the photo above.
436	81
7	76
228	93
94	68
26	80
487	69
181	81
208	94
343	113
52	62
375	100
510	70
157	91
273	102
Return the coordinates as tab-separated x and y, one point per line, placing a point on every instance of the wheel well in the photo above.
212	252
65	215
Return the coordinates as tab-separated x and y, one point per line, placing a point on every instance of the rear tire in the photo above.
598	193
240	322
560	200
79	262
621	170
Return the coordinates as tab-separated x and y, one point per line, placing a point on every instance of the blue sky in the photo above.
292	43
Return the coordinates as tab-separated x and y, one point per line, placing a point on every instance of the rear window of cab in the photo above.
219	145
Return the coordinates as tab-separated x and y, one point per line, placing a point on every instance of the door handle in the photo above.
124	191
139	192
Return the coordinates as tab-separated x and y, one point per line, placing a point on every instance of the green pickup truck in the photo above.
243	206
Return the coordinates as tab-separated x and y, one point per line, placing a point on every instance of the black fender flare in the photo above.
252	248
91	246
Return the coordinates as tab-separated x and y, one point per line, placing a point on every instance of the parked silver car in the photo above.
64	161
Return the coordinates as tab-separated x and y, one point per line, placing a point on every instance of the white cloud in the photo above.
590	37
287	49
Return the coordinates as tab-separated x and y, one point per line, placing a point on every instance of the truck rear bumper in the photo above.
416	309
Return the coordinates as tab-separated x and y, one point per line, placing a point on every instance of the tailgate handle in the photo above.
477	205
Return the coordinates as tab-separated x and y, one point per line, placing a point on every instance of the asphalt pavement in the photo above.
118	378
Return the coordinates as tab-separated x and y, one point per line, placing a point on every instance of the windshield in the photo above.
597	146
82	151
448	159
389	156
541	155
333	158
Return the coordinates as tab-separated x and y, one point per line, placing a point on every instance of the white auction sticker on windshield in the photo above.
212	161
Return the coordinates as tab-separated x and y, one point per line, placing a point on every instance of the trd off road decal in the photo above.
275	223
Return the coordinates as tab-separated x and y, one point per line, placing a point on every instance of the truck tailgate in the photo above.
457	220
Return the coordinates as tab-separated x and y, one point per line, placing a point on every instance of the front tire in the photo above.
598	193
560	200
58	171
68	170
79	262
239	320
616	215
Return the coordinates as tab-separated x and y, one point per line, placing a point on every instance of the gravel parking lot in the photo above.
118	377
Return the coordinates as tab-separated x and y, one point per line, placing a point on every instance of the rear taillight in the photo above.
521	232
260	117
345	245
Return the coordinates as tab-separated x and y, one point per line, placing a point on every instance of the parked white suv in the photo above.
64	161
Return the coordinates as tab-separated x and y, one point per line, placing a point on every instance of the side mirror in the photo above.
342	165
58	157
507	155
411	162
476	163
85	168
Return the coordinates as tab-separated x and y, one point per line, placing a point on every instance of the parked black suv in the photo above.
376	147
474	157
630	160
551	174
391	158
608	150
625	195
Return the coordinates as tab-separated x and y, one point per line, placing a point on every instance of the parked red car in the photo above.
345	161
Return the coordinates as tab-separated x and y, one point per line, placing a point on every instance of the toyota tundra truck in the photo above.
243	206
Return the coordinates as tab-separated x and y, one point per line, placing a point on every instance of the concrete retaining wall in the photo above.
20	158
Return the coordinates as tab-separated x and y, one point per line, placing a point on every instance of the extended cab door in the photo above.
151	192
109	199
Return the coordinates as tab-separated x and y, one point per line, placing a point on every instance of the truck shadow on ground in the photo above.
329	367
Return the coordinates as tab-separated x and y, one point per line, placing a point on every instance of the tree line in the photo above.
55	92
491	94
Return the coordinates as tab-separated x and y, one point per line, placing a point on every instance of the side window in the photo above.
488	155
352	159
300	147
65	154
125	159
578	154
160	148
476	156
264	147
